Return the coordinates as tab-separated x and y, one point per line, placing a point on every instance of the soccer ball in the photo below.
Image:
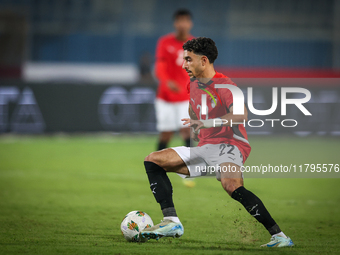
133	223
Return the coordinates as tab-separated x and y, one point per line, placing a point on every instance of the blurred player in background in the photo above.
172	98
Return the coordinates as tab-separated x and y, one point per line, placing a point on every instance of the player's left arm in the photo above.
232	118
224	120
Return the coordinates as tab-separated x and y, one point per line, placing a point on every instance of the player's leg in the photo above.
231	177
166	122
232	182
157	164
169	160
185	134
164	139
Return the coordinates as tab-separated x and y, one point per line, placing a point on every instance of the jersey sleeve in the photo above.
161	61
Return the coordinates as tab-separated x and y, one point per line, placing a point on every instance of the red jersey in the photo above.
169	60
216	108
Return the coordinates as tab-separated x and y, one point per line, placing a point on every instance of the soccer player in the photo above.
172	99
219	144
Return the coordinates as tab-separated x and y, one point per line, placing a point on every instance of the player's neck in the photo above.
182	37
207	75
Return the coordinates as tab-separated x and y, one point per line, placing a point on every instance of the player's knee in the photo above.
230	185
153	157
149	157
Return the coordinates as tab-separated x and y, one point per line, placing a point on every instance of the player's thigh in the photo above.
193	160
217	154
226	158
169	160
165	116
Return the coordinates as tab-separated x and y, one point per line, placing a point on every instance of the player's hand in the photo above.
195	124
173	86
195	130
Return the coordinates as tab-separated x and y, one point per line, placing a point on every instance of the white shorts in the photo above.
206	160
169	115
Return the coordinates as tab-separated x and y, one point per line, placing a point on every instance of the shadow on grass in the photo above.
177	246
190	244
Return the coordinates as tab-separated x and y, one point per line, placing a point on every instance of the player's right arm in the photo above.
193	116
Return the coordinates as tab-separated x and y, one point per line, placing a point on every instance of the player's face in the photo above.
192	64
183	24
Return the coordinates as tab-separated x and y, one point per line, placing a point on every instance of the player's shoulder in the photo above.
188	86
222	78
191	37
167	38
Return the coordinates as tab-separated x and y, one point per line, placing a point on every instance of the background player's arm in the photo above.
161	67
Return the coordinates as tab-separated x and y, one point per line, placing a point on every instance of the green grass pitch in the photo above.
68	194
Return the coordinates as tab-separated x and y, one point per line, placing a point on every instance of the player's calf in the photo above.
256	208
230	185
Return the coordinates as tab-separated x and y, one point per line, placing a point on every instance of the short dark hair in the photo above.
182	12
202	46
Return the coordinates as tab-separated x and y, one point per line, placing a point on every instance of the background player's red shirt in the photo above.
169	60
235	135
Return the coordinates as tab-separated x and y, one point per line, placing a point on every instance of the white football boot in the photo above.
279	241
167	228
